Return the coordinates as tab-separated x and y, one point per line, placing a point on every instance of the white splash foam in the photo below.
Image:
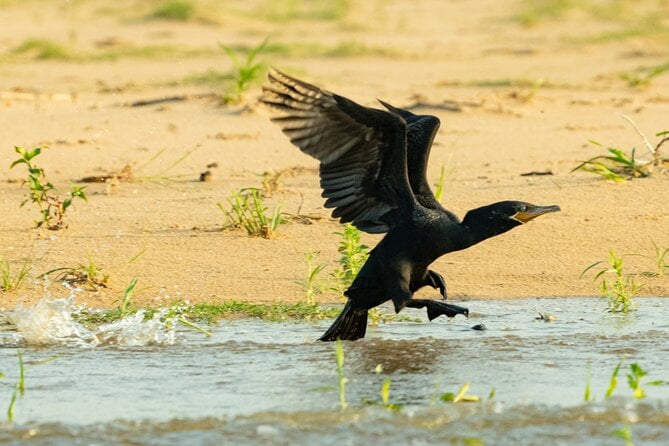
134	331
50	322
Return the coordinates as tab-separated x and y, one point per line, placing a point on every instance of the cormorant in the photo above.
373	173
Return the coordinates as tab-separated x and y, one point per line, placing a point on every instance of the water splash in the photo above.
50	322
135	330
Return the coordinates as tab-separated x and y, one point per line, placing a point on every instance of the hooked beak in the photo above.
533	212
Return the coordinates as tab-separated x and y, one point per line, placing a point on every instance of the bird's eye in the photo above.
523	208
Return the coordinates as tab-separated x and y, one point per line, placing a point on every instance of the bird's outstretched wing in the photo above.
421	130
362	151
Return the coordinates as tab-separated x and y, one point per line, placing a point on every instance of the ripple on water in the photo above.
489	423
255	382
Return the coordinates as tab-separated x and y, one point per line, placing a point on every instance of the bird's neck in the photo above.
476	229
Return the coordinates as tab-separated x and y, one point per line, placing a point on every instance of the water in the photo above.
254	382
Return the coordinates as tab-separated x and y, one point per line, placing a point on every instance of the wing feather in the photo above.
362	151
421	130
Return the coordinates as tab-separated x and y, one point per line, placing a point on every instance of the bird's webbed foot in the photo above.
436	280
436	308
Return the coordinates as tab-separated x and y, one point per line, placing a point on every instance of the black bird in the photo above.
373	173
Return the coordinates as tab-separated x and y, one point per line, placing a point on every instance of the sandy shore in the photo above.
512	99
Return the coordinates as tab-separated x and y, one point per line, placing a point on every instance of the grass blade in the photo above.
613	382
339	355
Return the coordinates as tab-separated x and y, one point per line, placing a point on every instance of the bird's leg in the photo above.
433	279
399	291
436	308
436	280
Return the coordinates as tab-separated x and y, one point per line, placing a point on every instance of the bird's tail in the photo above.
350	325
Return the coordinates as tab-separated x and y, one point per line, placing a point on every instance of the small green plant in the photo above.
377	317
634	378
529	94
246	71
625	433
52	207
19	390
385	392
439	186
210	313
126	300
613	382
125	308
289	10
619	293
660	261
643	77
177	10
312	289
271	181
461	396
536	11
248	211
385	396
177	312
89	275
353	255
9	281
43	49
587	397
339	356
161	176
270	312
618	166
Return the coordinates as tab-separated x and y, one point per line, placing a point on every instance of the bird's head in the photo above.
496	218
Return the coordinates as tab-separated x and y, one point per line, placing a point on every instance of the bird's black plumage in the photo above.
373	173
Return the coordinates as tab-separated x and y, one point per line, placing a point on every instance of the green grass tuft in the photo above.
625	434
313	10
461	396
88	274
9	281
247	70
661	261
619	293
613	381
176	10
19	389
275	312
313	271
439	186
247	210
43	49
538	10
342	380
43	194
209	313
353	255
619	166
644	76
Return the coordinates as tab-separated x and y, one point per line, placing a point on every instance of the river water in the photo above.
255	382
